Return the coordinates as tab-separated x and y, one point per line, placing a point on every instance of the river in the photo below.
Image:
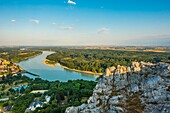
52	73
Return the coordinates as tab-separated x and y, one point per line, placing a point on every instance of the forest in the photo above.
63	94
16	55
98	60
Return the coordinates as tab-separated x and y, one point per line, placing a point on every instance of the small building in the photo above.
20	87
22	49
8	108
5	62
2	67
39	91
34	105
47	98
4	99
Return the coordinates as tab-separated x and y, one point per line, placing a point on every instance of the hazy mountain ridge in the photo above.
142	87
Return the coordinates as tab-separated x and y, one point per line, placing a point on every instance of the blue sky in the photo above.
85	22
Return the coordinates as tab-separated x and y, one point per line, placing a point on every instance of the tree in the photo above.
3	87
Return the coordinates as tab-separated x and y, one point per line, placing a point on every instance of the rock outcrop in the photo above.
140	88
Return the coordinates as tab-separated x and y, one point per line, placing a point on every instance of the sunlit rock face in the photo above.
142	87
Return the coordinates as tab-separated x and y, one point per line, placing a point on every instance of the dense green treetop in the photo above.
17	55
99	60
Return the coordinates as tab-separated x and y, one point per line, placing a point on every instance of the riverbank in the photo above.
24	58
80	71
46	62
47	72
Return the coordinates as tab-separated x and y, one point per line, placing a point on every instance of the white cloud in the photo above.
71	2
67	27
103	31
35	21
13	20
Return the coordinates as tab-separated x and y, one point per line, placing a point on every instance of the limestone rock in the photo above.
143	83
71	110
168	68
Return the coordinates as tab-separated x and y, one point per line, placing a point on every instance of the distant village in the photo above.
8	68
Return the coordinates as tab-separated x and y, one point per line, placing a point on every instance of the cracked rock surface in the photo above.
140	88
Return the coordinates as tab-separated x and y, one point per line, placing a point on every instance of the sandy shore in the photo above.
158	51
45	61
80	71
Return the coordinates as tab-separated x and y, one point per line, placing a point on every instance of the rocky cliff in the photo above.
140	88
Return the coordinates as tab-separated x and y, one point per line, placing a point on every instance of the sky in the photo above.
85	22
